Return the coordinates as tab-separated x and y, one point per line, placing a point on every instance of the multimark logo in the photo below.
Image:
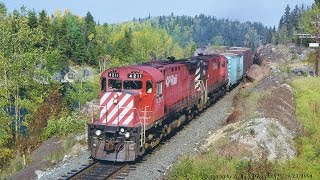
171	80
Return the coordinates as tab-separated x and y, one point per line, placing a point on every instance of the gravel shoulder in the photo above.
70	163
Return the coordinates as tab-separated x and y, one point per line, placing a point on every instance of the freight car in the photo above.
141	104
235	68
247	55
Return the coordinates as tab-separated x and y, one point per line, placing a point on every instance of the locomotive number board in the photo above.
113	74
135	75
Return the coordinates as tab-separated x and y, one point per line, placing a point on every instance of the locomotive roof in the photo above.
229	54
239	48
154	72
203	56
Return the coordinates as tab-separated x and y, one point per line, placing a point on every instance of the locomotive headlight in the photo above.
115	101
98	132
122	130
127	135
115	96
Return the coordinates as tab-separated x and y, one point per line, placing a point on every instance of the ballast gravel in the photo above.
68	165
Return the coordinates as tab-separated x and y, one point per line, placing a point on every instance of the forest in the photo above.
35	47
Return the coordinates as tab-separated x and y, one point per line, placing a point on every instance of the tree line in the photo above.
206	30
290	24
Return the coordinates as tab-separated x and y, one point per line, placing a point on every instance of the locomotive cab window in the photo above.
149	87
132	84
159	89
103	85
114	84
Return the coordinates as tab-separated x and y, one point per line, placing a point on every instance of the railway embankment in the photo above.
271	130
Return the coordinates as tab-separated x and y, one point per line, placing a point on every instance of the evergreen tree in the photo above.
289	24
3	10
90	33
287	17
295	17
44	21
123	47
32	19
252	39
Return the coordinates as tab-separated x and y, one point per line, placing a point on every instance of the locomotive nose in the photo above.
118	108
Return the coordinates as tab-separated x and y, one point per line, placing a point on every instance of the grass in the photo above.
307	95
17	163
249	101
306	165
285	67
213	166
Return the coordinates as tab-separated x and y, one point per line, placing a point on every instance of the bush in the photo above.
81	92
65	125
206	166
5	155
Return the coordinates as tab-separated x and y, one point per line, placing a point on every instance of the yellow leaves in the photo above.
5	154
57	13
118	32
147	42
91	37
150	42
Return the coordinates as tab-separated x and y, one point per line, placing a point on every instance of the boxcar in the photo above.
247	56
235	68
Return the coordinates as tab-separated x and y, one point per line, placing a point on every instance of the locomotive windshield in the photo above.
132	84
114	84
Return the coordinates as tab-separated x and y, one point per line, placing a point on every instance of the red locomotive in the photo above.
141	104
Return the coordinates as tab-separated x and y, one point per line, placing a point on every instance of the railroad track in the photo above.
99	170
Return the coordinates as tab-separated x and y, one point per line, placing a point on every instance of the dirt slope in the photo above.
267	126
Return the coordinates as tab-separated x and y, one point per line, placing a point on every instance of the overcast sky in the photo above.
266	11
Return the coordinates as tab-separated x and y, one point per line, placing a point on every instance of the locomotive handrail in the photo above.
96	107
144	126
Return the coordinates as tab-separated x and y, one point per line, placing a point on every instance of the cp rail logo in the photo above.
171	80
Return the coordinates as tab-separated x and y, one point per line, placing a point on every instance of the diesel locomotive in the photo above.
141	104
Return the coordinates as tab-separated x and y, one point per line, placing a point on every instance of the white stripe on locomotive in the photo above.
104	110
104	97
124	112
116	109
129	119
197	78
